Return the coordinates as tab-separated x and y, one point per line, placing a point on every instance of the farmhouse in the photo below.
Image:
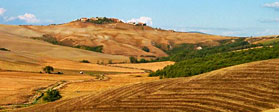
141	24
133	23
83	19
94	19
199	48
115	20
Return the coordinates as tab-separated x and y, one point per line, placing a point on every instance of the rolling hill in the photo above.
32	47
116	38
31	55
263	39
107	45
251	87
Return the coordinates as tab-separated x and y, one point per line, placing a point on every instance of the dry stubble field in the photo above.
147	66
252	87
18	87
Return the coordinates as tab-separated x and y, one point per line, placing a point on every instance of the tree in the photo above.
143	61
52	95
4	49
48	69
133	59
146	49
110	62
85	61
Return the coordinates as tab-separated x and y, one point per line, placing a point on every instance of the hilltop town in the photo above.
103	20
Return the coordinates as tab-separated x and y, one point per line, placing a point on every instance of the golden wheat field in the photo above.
252	87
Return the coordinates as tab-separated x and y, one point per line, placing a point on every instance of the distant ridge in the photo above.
115	36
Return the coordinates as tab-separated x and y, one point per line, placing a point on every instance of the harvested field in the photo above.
272	110
146	66
71	65
18	87
94	87
252	87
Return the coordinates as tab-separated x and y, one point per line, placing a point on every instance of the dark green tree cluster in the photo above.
50	39
187	51
195	66
4	49
146	49
48	69
53	40
85	61
51	95
95	49
143	61
133	59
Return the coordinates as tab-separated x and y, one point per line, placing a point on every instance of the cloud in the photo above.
268	32
29	18
2	11
241	32
274	5
276	20
142	19
10	18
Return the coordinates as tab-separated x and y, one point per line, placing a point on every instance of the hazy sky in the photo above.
221	17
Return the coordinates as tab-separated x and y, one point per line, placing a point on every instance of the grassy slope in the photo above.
270	41
30	55
120	38
272	110
248	87
196	62
147	66
18	87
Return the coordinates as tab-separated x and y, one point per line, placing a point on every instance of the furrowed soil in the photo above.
252	87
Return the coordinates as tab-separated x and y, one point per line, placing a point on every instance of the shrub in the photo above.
51	95
138	76
143	61
95	49
110	62
4	49
100	76
85	61
133	59
102	63
60	73
48	69
146	49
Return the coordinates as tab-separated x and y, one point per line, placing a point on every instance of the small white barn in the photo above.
199	48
